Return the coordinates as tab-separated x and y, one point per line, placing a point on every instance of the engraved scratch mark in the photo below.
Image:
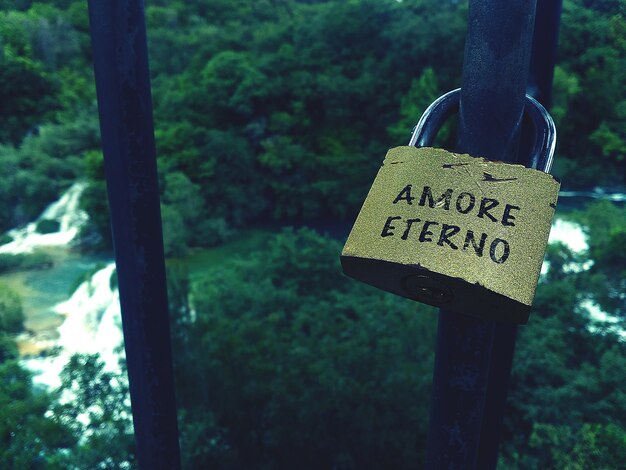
553	205
493	179
395	163
479	188
469	175
452	165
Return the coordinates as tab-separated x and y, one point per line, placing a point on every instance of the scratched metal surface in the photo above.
533	191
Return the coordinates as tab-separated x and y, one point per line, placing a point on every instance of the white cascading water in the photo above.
596	193
92	325
92	314
570	234
603	320
65	211
573	237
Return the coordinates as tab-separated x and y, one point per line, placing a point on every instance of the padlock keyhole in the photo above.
427	290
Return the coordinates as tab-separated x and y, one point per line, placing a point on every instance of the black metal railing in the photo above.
473	357
120	55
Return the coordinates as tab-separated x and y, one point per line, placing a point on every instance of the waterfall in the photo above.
573	237
570	234
596	193
65	211
92	322
92	326
601	320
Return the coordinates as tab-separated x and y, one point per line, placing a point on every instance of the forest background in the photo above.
274	114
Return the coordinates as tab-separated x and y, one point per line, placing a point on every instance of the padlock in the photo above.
455	230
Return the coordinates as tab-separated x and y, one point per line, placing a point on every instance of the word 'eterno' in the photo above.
465	203
446	234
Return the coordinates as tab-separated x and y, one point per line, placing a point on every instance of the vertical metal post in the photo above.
495	73
541	72
502	351
125	106
544	50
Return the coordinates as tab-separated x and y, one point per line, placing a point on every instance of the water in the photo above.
65	211
571	200
573	237
570	234
89	321
596	193
602	320
92	325
40	290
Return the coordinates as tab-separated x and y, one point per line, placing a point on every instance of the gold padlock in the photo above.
454	230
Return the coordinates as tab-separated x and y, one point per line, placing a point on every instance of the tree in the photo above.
565	389
11	314
422	93
606	231
26	92
28	438
98	414
301	368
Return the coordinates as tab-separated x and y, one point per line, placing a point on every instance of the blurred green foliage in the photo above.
24	261
277	112
48	226
282	362
11	314
302	367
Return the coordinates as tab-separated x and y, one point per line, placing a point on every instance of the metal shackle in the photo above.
542	151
